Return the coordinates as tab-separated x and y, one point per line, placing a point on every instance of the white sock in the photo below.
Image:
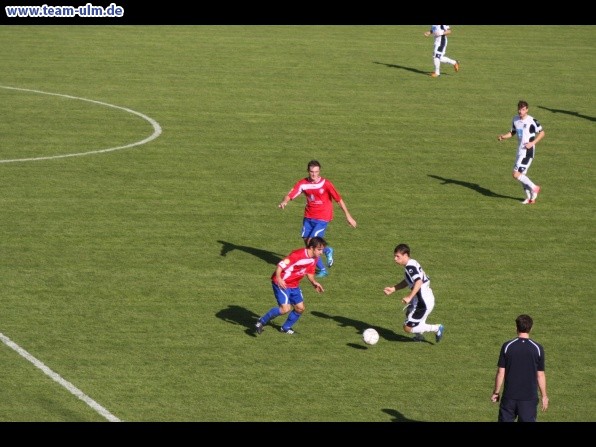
423	327
526	181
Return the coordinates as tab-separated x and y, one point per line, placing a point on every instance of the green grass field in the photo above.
137	274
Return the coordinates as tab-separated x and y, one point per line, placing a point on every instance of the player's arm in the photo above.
415	288
539	136
506	136
542	387
284	202
349	217
499	376
390	289
280	281
318	287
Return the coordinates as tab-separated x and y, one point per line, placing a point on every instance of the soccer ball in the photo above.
370	336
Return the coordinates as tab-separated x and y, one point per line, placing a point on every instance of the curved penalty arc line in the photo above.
154	124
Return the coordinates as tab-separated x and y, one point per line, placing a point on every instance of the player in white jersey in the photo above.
529	132
420	301
440	33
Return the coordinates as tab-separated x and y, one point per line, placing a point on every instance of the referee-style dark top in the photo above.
521	358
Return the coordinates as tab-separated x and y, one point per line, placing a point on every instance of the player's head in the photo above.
524	324
522	105
316	242
313	164
314	170
401	254
402	249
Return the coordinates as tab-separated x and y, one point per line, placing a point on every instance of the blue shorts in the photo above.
291	296
313	228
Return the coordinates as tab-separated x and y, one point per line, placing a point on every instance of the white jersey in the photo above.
424	301
440	38
526	131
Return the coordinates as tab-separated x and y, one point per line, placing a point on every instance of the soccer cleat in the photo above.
440	333
535	192
329	256
259	327
456	66
418	337
528	202
286	331
322	274
434	75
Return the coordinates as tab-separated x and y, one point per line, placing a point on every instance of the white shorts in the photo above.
523	161
417	313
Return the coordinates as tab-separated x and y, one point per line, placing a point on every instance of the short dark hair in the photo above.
524	323
521	104
316	241
313	163
402	249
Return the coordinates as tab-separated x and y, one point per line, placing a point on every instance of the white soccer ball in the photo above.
370	336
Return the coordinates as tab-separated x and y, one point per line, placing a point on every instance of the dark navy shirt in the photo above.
522	358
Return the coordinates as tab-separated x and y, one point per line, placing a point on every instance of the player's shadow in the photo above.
473	186
569	112
397	416
241	316
413	70
360	326
266	255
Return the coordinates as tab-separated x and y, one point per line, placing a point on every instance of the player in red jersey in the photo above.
320	194
286	284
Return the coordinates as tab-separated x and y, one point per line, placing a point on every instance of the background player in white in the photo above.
529	132
420	300
440	33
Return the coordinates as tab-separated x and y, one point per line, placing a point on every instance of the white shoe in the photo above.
528	202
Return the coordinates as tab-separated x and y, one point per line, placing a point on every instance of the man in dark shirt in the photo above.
521	368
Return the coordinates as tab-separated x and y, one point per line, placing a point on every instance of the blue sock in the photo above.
273	312
320	265
292	319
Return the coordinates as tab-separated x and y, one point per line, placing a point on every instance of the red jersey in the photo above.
319	204
295	266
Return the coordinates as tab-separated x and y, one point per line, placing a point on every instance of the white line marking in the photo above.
155	124
56	378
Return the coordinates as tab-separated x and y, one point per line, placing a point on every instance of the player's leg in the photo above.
527	410
437	62
283	300
520	169
297	301
507	410
318	229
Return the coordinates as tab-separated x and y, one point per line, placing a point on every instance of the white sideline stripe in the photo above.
155	124
57	378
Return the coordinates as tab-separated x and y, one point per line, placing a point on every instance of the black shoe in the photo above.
259	327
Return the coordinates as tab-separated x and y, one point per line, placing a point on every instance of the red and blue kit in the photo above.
295	266
319	198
